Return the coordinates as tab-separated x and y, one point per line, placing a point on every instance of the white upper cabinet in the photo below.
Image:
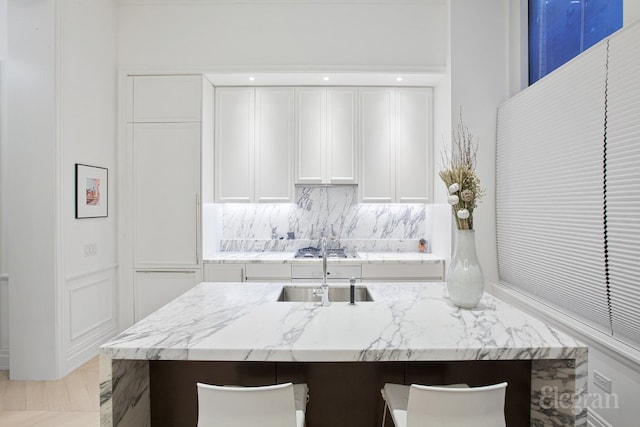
396	145
234	133
274	145
413	145
268	138
326	136
254	144
377	183
311	119
342	138
167	99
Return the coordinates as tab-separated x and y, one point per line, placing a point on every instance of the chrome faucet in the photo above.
324	290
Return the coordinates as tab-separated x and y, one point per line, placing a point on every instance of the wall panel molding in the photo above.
595	420
82	317
76	277
90	314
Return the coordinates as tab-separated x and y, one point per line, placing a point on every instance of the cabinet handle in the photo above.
197	229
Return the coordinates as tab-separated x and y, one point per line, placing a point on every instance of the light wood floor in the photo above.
70	402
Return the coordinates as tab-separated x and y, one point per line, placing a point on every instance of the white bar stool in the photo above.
280	405
445	406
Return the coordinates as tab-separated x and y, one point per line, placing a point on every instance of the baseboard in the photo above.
4	360
86	351
4	322
595	420
89	318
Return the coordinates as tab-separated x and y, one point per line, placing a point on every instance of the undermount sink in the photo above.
304	293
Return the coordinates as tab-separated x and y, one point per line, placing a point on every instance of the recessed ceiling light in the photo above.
325	78
252	78
398	79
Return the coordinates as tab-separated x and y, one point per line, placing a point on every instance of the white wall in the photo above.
4	288
3	29
630	11
479	84
61	106
4	284
292	35
31	200
88	131
623	409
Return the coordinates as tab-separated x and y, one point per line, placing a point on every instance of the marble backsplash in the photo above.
332	211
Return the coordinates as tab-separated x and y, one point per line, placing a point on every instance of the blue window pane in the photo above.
561	29
601	19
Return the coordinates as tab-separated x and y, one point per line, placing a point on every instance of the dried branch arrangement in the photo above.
460	176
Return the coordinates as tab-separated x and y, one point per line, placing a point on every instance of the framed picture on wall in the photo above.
92	191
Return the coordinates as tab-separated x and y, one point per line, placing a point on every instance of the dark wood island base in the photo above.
341	394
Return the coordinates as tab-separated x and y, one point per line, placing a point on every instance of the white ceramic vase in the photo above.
465	280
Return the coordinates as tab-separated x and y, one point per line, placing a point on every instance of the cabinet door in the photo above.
378	157
167	99
413	145
341	146
274	145
166	182
403	272
154	289
310	128
234	136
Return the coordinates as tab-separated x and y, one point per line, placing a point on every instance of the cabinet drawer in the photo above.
262	272
334	272
403	272
224	272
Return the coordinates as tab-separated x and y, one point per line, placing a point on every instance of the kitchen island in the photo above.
241	334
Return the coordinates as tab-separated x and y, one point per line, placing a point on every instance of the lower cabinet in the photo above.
403	272
268	272
250	272
153	289
286	272
224	272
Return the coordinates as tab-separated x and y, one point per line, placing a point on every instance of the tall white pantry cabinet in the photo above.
166	140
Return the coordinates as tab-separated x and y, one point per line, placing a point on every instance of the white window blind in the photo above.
549	189
623	183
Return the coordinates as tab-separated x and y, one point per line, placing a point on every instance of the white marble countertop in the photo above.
288	257
406	322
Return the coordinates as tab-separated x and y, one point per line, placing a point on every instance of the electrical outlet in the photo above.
601	381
